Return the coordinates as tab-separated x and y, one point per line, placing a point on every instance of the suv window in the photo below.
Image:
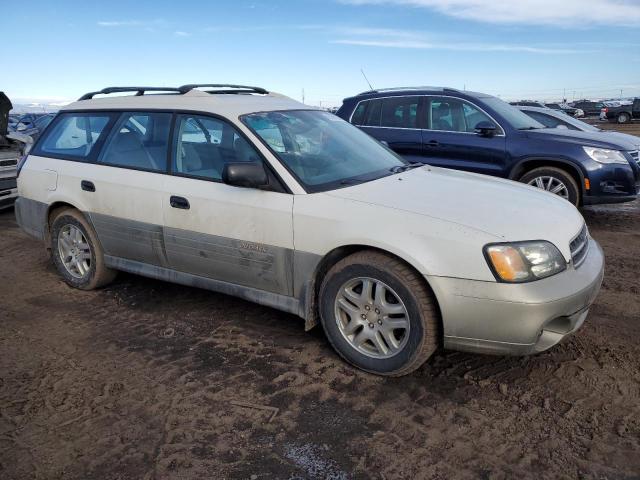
399	112
358	115
139	140
454	115
73	135
372	118
205	144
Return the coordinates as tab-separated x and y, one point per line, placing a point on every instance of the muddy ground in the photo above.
146	380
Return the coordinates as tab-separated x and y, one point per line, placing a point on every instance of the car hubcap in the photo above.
551	184
74	251
372	317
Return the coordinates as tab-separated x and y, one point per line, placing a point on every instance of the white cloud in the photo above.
461	47
181	34
411	39
566	13
133	23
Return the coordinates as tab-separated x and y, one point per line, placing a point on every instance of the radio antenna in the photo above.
366	79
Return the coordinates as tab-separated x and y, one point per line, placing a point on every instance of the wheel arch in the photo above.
312	288
528	164
51	210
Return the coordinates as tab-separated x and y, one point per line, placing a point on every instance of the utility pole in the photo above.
303	95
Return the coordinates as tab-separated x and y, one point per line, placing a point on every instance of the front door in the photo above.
449	139
241	236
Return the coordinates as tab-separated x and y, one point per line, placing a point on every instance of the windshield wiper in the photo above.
529	128
404	168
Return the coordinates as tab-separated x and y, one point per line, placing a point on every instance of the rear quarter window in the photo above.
74	135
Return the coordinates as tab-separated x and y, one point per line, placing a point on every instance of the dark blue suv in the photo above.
483	134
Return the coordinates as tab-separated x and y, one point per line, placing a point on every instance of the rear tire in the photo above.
552	179
623	118
395	314
76	251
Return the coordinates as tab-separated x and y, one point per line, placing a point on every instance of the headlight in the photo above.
602	155
524	261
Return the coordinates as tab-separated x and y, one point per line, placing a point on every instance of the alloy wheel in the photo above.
550	184
74	251
371	317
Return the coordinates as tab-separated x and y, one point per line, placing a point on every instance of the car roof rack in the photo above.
139	91
223	88
408	89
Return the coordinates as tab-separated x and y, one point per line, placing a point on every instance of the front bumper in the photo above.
518	319
8	192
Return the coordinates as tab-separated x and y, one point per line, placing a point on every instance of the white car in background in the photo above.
253	194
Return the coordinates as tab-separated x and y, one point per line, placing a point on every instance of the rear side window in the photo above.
140	141
372	118
358	116
400	112
74	135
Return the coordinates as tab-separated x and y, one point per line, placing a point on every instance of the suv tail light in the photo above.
21	163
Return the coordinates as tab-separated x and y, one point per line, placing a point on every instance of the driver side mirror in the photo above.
245	174
486	129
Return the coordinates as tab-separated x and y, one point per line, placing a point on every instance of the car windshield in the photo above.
323	151
584	126
517	119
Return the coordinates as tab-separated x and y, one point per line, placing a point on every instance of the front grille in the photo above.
579	247
8	163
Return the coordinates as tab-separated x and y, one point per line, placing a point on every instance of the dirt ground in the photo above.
146	380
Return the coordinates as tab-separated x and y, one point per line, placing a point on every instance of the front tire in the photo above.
76	251
379	314
554	180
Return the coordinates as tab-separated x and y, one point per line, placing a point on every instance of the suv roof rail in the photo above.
230	88
139	91
400	89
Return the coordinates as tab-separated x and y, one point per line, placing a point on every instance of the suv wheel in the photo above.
76	252
378	314
554	180
623	118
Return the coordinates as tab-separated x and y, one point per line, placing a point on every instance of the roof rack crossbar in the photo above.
139	91
235	88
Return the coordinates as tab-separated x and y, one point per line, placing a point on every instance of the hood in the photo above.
631	140
507	210
578	137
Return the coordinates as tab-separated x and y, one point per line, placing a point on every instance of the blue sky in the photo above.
515	49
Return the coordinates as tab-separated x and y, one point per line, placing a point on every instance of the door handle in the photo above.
87	186
432	143
179	202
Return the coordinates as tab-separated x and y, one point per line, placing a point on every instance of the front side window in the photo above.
399	112
140	141
73	135
323	151
205	145
454	115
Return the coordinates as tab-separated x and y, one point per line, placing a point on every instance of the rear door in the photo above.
450	139
395	121
241	236
125	187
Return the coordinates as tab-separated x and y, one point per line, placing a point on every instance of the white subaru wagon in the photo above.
250	193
